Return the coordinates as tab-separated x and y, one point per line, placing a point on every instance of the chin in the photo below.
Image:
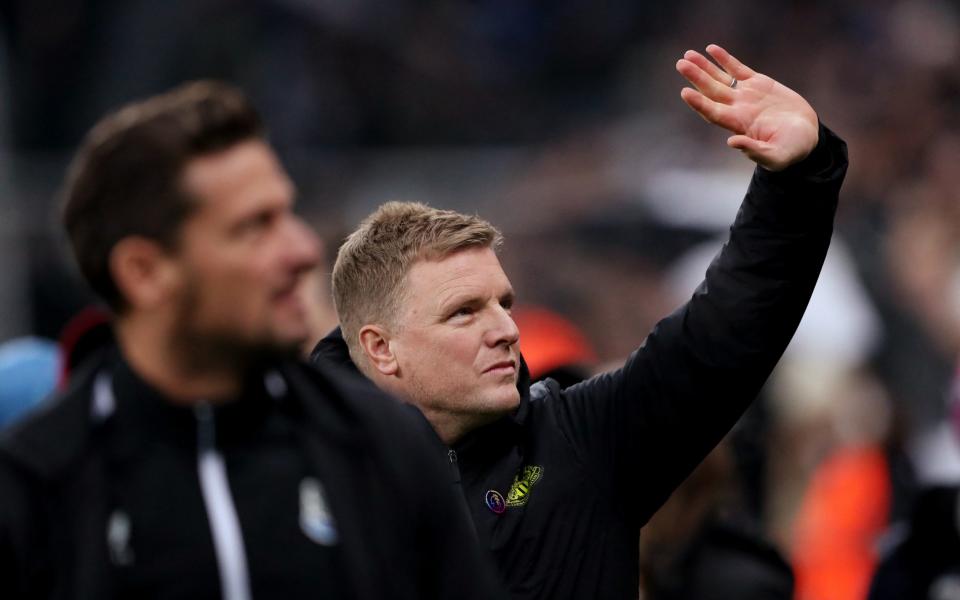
505	400
279	345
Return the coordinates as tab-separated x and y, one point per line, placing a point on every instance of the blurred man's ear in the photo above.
143	272
375	342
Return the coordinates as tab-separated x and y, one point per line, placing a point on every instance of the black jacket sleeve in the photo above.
644	427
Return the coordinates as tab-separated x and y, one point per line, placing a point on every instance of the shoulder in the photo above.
347	401
50	439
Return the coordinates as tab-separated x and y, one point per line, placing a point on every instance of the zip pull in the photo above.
206	427
454	467
221	510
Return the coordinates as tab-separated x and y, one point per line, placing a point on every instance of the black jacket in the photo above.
336	488
560	489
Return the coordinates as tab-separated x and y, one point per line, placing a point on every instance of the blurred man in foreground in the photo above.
199	459
559	481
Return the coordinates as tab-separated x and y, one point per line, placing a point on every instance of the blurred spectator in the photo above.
925	563
29	371
704	545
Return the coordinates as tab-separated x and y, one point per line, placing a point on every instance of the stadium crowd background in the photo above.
561	122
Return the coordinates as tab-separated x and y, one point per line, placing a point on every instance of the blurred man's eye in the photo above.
255	224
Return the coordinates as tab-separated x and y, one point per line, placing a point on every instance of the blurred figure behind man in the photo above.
198	458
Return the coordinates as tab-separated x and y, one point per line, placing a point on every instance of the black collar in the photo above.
143	415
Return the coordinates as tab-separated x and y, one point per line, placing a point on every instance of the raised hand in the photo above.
772	124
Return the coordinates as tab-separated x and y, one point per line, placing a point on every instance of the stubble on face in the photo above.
454	327
205	347
241	262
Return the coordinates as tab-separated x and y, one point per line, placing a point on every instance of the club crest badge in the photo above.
316	520
524	481
495	503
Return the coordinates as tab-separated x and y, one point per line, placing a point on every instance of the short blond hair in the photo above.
374	260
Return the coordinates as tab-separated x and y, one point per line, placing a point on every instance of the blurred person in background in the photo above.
924	564
199	458
920	556
29	371
704	544
559	481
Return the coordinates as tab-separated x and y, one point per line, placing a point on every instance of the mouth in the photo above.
288	295
504	367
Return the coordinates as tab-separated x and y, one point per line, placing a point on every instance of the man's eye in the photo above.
256	223
463	311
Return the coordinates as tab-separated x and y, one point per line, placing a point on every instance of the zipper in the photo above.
454	467
221	511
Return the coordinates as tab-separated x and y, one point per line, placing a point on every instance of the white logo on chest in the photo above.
316	520
118	538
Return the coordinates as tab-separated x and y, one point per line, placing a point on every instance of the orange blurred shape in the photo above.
844	512
549	341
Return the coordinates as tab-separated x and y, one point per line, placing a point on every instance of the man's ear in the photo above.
375	342
143	272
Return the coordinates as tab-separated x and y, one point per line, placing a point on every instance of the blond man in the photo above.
559	481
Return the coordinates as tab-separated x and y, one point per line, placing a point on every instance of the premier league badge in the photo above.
495	502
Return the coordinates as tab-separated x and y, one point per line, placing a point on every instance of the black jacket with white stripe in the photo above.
313	484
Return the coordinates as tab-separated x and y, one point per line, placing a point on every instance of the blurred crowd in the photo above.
561	122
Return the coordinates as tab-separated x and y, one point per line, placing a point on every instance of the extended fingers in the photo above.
711	111
704	81
710	67
729	63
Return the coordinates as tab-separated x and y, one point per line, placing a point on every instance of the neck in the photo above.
162	364
449	426
448	429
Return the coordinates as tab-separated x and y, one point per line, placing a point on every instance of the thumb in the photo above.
762	153
746	143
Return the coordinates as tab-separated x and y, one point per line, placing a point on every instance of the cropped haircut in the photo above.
125	179
373	262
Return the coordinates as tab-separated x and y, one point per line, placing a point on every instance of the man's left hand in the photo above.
772	124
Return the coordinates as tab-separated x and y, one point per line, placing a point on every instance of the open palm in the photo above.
771	123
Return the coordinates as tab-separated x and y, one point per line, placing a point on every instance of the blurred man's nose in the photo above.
304	246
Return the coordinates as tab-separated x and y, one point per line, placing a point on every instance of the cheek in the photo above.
458	347
446	356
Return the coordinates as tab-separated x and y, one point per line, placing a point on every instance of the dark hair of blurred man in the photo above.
199	459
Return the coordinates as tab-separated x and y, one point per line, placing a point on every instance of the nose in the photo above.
304	252
504	330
